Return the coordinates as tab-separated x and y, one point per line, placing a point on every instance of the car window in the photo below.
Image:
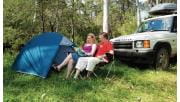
174	29
162	24
156	25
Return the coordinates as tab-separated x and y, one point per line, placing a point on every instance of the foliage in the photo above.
26	18
18	25
128	27
13	39
122	17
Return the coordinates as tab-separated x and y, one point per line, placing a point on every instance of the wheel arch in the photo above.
163	45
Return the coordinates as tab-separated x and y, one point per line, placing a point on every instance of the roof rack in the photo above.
164	9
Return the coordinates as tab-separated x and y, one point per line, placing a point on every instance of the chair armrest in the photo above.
110	56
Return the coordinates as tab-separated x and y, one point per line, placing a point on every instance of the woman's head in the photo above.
91	38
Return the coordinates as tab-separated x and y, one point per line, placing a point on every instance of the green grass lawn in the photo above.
124	84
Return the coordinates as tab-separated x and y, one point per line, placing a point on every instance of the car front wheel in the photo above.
162	59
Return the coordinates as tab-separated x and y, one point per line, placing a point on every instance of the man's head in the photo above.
103	36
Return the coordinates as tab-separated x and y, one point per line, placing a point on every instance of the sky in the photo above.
142	0
144	13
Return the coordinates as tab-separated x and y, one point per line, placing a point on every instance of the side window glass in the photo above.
174	29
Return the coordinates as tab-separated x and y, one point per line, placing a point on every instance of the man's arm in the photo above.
104	55
111	52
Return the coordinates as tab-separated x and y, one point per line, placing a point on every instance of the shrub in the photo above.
13	39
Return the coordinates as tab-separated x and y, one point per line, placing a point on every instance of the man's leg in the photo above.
81	65
92	62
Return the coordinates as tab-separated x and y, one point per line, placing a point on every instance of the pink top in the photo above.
87	48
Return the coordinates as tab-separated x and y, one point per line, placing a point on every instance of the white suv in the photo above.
154	42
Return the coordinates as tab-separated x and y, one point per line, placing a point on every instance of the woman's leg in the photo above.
81	65
92	62
76	74
65	62
69	68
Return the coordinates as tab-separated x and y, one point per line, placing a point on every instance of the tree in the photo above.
74	18
106	16
138	13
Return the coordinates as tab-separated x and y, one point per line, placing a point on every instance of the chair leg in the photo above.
95	74
73	70
112	64
80	76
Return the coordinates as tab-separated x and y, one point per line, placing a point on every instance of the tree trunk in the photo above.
106	16
72	20
157	2
42	16
35	5
138	13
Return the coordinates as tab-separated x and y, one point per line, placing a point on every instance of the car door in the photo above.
174	34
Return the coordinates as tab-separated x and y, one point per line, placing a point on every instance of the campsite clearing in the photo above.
125	84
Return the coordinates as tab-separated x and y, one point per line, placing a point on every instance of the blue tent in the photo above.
41	52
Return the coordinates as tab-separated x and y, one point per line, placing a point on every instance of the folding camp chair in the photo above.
111	62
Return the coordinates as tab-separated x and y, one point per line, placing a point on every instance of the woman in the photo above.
88	49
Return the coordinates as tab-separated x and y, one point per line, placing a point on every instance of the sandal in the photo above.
55	67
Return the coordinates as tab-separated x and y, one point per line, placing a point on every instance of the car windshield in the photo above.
162	24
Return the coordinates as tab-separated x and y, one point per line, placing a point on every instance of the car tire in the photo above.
162	59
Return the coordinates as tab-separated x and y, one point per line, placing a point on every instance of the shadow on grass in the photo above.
143	67
115	70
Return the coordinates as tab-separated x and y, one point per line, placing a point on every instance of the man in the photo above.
89	63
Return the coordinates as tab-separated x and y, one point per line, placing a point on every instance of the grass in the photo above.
124	84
